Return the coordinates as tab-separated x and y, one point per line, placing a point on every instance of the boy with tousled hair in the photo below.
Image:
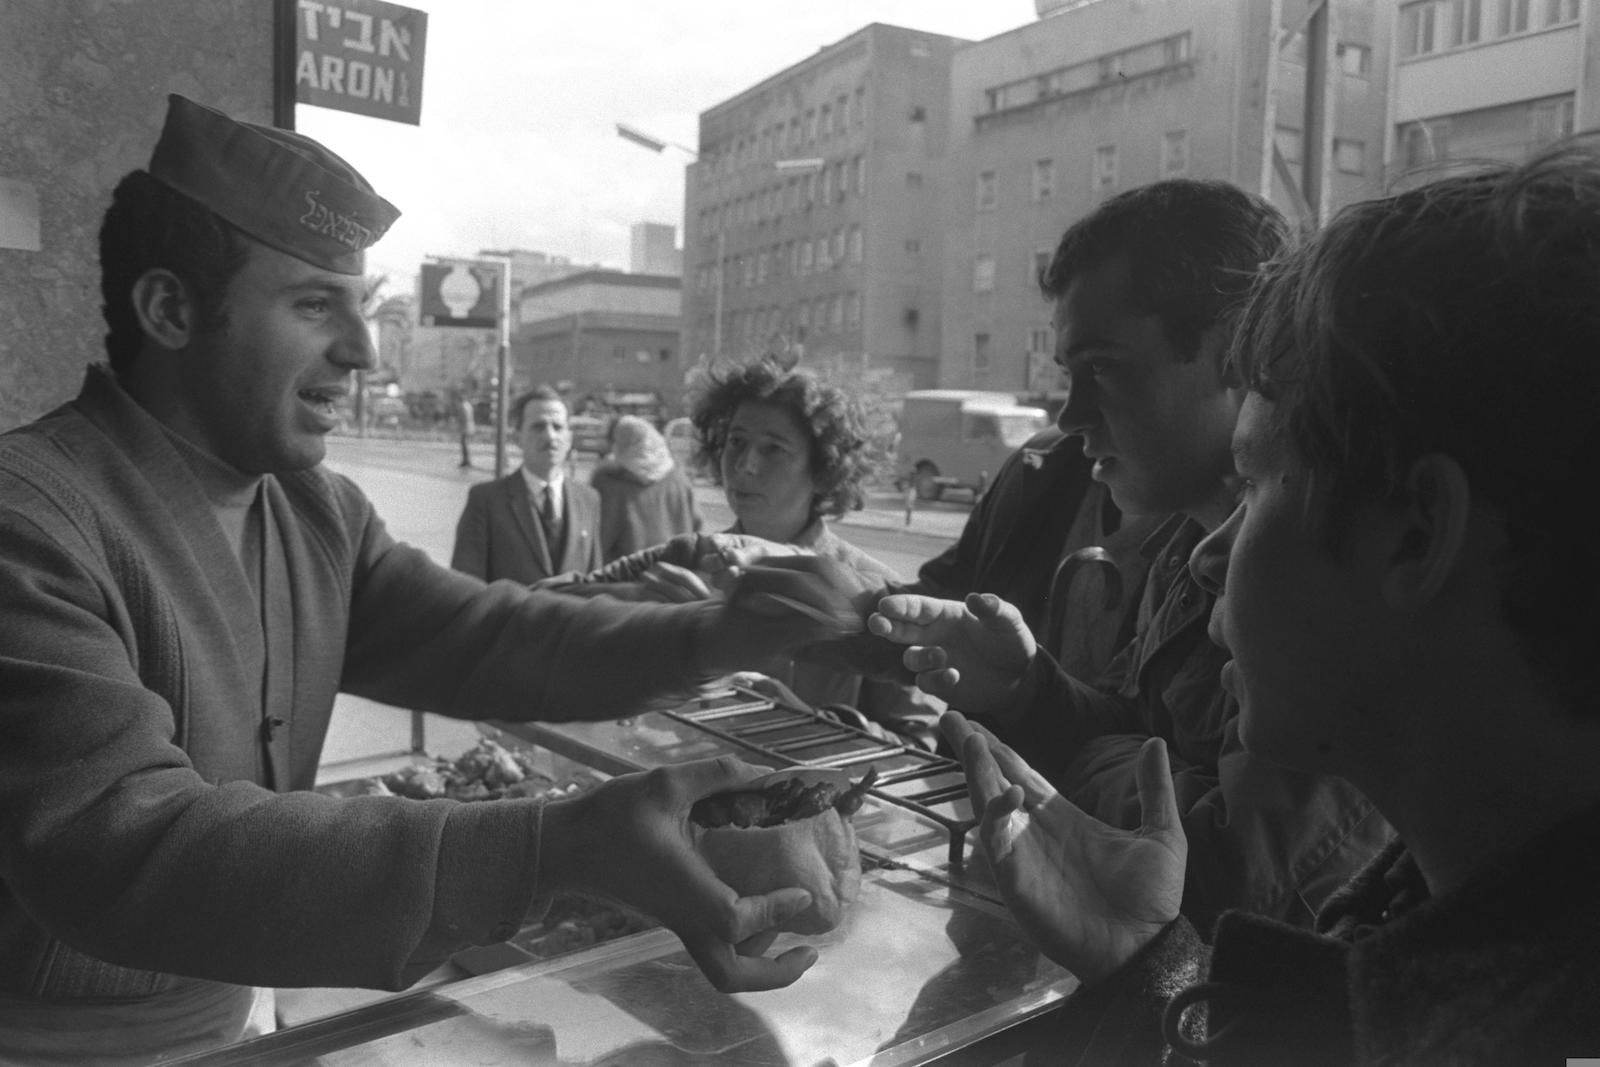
1410	604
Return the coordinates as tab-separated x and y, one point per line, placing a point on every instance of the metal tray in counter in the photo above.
918	971
739	721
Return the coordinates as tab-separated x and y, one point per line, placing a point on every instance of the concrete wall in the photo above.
83	87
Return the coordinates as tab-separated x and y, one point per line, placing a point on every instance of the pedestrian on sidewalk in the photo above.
466	426
535	521
645	497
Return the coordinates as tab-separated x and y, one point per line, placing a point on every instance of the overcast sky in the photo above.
520	101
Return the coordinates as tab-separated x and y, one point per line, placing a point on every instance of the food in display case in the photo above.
493	771
487	771
789	828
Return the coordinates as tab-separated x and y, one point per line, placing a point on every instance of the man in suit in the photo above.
536	521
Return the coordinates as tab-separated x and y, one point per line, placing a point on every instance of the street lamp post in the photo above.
783	166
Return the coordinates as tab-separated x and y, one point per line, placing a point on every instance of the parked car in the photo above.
680	440
590	434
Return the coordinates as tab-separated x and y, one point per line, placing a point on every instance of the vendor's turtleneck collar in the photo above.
225	486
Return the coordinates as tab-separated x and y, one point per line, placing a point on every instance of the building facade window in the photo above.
1350	156
1355	59
1557	12
1424	142
1105	168
1291	144
1174	153
983	273
857	252
1515	16
1551	120
1419	28
1044	179
913	179
980	353
852	310
861	175
987	197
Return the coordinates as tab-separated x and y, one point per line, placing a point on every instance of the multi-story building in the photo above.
653	249
600	335
1050	119
812	222
1489	79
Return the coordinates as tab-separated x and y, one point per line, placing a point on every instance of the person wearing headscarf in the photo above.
645	498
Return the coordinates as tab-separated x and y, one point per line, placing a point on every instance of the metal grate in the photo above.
789	736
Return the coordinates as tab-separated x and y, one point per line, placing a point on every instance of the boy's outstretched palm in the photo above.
1088	895
972	654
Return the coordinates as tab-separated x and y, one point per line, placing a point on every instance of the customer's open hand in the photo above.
970	654
1088	895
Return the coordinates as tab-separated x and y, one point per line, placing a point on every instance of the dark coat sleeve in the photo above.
471	552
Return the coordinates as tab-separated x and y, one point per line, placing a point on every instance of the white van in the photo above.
957	438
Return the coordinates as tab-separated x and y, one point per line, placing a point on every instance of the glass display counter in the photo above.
926	966
917	972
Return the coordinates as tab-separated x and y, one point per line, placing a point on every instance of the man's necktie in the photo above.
547	512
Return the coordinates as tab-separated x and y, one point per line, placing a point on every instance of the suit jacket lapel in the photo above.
521	503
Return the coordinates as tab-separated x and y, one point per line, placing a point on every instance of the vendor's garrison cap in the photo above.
280	187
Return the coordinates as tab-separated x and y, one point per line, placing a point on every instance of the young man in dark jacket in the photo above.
1409	604
1147	291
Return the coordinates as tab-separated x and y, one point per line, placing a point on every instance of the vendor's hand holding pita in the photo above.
669	583
733	551
970	654
630	840
719	560
770	610
1090	896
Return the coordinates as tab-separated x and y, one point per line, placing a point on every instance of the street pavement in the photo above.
419	490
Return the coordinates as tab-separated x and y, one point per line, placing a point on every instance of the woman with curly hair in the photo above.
790	453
